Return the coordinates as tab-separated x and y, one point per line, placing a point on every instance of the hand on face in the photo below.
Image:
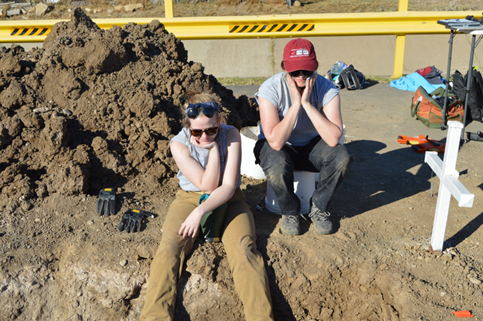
309	84
294	90
300	88
204	141
203	123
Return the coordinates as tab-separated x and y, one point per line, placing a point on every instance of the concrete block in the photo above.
41	9
13	12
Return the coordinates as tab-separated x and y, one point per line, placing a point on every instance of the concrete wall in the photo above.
372	55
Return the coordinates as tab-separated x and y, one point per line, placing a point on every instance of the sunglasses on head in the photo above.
296	73
208	108
209	131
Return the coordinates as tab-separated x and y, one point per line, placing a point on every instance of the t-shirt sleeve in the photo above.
270	91
327	90
182	137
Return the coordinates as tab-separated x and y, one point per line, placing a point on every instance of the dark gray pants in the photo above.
331	162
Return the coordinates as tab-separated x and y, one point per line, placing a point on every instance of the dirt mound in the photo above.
95	108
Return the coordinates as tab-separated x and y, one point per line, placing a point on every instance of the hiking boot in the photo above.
290	224
322	222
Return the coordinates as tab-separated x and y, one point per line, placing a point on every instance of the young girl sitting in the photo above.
208	155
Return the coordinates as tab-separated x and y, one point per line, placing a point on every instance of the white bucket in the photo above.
249	137
303	185
341	141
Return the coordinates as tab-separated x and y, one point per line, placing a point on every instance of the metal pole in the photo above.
450	55
168	8
468	84
403	5
399	57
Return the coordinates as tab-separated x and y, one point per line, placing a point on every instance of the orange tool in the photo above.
463	314
429	147
421	139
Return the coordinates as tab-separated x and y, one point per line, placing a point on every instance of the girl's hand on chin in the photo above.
205	145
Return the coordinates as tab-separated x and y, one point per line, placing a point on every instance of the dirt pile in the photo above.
96	108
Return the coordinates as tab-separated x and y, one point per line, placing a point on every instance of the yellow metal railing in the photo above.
400	24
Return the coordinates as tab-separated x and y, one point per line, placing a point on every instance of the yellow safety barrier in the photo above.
399	23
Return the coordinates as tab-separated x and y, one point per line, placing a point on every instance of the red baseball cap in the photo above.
299	54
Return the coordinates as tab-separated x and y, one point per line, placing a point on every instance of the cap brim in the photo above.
300	65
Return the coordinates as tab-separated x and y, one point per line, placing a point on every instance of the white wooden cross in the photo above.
449	183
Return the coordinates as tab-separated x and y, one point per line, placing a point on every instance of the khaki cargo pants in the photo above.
246	263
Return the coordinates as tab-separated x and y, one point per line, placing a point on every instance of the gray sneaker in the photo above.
291	224
322	222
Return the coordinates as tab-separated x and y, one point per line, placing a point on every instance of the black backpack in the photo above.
475	96
349	78
352	78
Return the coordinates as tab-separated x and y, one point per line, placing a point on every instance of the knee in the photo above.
342	157
248	246
276	161
171	246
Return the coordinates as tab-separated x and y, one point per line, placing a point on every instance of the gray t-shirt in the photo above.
201	155
276	91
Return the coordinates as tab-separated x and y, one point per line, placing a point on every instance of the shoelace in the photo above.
291	219
319	216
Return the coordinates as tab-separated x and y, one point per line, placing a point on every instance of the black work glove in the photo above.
131	221
106	203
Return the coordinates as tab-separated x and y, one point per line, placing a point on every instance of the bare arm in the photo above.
223	193
205	180
277	132
328	123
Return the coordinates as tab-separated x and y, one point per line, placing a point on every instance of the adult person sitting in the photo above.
301	125
208	155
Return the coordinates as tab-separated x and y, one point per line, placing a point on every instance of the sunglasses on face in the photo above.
208	108
296	73
209	131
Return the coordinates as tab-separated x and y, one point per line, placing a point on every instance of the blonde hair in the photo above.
197	98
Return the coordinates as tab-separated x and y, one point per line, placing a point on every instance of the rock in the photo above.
13	12
297	3
475	281
41	9
123	262
26	205
41	110
133	7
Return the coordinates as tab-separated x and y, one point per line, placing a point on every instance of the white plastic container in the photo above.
249	137
304	187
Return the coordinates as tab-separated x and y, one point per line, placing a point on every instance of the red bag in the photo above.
430	113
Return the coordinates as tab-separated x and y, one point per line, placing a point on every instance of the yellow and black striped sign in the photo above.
40	31
278	27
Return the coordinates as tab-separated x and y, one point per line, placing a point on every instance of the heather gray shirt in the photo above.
201	155
276	91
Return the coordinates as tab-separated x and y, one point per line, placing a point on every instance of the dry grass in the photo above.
199	8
